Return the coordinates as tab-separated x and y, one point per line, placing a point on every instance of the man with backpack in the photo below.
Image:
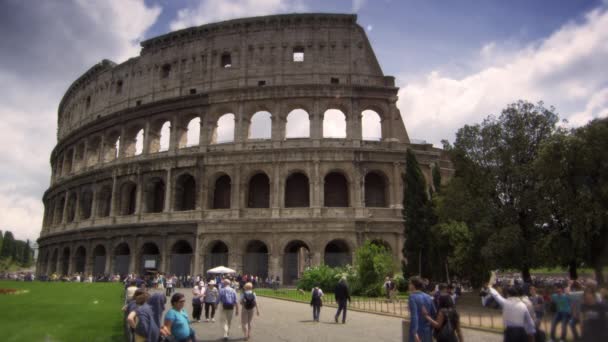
249	302
316	302
229	305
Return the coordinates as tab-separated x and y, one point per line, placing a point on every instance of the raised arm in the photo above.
499	299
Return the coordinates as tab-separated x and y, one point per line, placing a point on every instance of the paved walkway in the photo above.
281	320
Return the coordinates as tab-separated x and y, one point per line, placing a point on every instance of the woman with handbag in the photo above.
447	325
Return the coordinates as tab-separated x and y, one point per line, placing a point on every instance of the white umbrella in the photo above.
221	270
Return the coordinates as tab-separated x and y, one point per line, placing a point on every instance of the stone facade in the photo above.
140	179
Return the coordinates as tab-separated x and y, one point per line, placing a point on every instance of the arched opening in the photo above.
150	257
221	193
261	126
80	259
194	132
295	260
298	124
375	190
104	201
335	190
337	254
371	125
155	195
71	209
217	255
297	192
53	265
99	260
122	258
185	193
59	210
383	244
255	259
181	258
224	131
165	137
67	167
259	191
86	203
334	124
65	261
128	194
79	157
111	146
139	142
93	147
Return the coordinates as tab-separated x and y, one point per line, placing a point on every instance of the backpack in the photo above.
249	301
446	333
315	294
391	285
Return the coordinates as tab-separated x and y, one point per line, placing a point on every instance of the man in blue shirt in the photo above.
420	329
229	305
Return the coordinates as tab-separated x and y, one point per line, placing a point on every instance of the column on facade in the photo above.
278	122
139	183
316	123
133	255
101	149
164	254
146	143
235	194
65	208
202	187
358	187
395	186
94	202
169	191
77	206
113	199
274	267
276	195
207	128
240	136
89	261
316	184
123	143
109	259
174	128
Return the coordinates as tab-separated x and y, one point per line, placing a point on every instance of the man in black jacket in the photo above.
342	295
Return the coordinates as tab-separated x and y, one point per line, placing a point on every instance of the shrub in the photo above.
326	277
373	262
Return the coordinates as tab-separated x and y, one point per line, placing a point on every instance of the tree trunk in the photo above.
525	273
420	263
572	270
447	271
599	275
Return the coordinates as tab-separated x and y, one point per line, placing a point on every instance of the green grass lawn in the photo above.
62	312
294	294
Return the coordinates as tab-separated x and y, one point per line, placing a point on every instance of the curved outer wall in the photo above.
262	206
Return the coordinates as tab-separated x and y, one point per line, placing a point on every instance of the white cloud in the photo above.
357	5
217	10
566	70
45	48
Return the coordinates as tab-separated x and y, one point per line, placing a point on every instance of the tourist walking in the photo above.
211	298
142	321
198	292
342	295
447	325
316	302
170	283
539	306
249	303
595	317
562	304
519	325
230	306
177	323
420	328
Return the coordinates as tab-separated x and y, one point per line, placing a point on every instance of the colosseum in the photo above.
264	144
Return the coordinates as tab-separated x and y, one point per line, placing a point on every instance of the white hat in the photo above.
201	283
211	282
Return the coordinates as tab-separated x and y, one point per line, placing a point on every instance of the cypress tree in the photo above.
1	238
417	216
26	258
8	245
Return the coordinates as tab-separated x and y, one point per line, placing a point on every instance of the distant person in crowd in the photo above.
389	288
211	298
538	304
176	322
420	328
198	292
130	291
249	303
157	302
447	325
575	294
519	325
170	283
142	320
563	309
594	315
342	295
316	302
230	306
129	307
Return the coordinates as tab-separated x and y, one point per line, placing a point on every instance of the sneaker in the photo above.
213	320
336	319
206	319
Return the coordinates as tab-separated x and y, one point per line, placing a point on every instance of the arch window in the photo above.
65	261
217	255
71	208
165	70
104	201
375	190
194	132
185	193
80	258
122	257
139	142
86	203
128	195
261	126
155	195
337	254
159	136
255	259
298	54
297	193
181	258
54	258
99	260
134	137
371	126
150	257
221	193
336	190
92	156
165	136
259	191
298	124
296	259
59	210
67	167
224	131
334	124
226	60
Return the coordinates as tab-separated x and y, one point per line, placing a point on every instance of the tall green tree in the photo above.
1	238
501	151
418	218
373	263
8	245
27	255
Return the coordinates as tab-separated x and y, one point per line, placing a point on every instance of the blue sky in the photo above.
456	61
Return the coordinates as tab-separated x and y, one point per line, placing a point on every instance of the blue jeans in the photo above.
573	322
316	312
341	308
562	317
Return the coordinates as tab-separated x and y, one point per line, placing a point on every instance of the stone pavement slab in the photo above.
281	320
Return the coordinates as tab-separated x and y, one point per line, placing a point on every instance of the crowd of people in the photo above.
143	312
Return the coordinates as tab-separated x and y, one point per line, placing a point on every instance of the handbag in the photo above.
446	333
